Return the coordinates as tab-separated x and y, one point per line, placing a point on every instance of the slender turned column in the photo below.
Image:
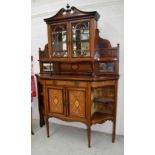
89	135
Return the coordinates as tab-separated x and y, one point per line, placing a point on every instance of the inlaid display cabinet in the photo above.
78	72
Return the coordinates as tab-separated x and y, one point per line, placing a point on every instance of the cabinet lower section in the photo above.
78	101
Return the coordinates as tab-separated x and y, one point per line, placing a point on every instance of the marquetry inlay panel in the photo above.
77	103
56	100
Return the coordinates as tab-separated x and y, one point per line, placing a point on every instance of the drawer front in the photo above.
66	83
77	102
56	99
75	68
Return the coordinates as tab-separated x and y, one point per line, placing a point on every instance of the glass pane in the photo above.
80	32
106	67
47	67
59	41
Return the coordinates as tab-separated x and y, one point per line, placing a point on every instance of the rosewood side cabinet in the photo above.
78	72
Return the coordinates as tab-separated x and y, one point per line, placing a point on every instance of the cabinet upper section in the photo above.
71	34
75	47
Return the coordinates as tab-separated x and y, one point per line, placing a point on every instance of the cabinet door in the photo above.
58	40
56	100
77	102
80	39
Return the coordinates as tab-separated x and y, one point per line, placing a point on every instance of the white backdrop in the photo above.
111	25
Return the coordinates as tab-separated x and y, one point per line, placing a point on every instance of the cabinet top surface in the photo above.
77	77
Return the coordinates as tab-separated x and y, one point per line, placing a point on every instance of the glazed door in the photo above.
76	102
80	33
56	100
58	40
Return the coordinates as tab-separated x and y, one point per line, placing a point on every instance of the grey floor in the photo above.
66	140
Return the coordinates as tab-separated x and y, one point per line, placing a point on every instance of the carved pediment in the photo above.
71	12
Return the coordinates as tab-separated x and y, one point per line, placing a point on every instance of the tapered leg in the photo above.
31	123
89	135
47	127
114	114
113	131
42	120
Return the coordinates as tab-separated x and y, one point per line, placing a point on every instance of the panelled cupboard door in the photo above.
77	102
56	99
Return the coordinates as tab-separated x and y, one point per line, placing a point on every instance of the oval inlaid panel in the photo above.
75	67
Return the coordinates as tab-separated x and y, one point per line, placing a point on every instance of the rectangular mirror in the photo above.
47	67
107	67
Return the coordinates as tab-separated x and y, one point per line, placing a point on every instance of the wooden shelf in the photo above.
82	30
107	58
101	117
44	60
103	99
82	40
56	32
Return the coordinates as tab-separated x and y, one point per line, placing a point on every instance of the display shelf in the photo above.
107	58
82	40
56	32
101	117
103	99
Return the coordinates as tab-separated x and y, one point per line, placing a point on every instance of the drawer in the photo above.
66	83
75	68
